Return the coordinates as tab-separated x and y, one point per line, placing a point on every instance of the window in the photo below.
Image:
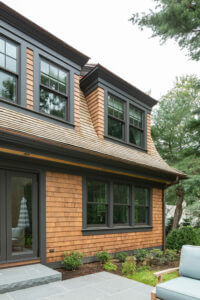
121	203
113	205
141	205
8	70
96	203
115	118
53	90
135	126
125	122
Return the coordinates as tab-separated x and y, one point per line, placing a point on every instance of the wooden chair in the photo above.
187	285
159	276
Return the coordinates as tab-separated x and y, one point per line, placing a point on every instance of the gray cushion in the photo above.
190	262
180	288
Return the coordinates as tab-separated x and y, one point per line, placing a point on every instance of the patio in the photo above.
98	286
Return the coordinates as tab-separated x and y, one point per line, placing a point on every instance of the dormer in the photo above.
119	111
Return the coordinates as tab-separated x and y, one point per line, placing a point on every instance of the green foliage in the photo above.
72	260
169	225
103	256
122	256
141	254
171	255
110	266
143	268
146	277
156	256
178	20
129	266
182	236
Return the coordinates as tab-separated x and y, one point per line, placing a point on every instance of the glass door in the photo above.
19	217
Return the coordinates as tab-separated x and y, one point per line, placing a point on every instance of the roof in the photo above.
84	140
98	71
28	27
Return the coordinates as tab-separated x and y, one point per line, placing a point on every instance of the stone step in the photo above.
17	278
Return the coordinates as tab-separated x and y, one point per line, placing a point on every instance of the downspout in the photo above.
163	201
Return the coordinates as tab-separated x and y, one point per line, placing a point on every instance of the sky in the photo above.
101	30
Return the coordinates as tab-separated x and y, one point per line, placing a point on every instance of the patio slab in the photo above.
98	286
17	278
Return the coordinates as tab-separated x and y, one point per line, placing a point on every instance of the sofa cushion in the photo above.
181	288
190	262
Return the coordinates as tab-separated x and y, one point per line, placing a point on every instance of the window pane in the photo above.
2	60
44	67
135	116
96	191
8	84
11	50
2	45
120	214
62	88
62	76
115	108
11	64
52	104
141	196
141	215
121	193
53	72
115	128
53	84
45	79
135	136
96	214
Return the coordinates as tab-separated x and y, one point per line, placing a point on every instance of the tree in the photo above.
175	140
174	19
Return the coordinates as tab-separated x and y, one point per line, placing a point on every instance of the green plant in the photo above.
103	256
129	266
182	236
122	256
143	268
141	254
72	260
156	256
110	266
171	255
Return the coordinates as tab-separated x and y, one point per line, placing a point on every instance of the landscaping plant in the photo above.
182	236
122	256
129	266
72	260
156	257
103	256
141	255
110	266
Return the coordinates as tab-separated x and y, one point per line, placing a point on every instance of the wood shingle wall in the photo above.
29	79
64	222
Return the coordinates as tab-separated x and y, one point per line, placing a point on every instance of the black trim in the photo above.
99	72
110	227
21	23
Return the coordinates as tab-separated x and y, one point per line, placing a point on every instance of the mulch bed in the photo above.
95	267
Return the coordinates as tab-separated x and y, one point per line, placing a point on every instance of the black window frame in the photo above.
137	127
127	102
17	74
66	96
110	227
147	207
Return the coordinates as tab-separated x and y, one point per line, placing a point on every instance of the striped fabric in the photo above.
23	221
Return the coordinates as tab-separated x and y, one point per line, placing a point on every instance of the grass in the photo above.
147	277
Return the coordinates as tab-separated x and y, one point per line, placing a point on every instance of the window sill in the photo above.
118	141
35	114
115	229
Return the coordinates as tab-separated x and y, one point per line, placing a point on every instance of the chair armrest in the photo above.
161	273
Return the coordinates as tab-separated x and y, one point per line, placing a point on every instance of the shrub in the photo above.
171	255
72	260
168	226
141	255
110	266
156	256
103	256
122	256
129	266
143	268
182	236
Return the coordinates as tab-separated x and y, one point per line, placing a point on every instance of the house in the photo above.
78	168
